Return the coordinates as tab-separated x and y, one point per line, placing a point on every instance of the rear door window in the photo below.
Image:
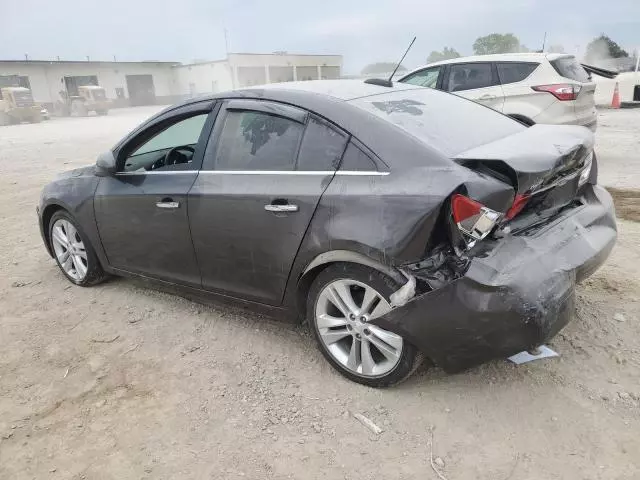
252	140
425	78
469	76
512	72
568	67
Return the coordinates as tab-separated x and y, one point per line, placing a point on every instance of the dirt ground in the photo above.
122	381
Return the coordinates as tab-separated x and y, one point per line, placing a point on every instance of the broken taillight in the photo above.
474	220
562	91
518	204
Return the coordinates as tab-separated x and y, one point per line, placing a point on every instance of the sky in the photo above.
362	31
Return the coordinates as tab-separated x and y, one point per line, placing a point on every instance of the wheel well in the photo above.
46	219
304	284
522	119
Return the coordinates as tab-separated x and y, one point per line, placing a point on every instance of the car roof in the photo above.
340	90
368	112
498	57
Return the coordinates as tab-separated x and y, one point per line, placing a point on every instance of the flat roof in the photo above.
90	62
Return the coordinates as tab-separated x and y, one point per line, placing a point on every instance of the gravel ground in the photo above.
123	381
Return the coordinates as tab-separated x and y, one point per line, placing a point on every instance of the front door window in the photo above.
170	149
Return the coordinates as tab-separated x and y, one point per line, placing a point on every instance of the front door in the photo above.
476	81
264	172
141	211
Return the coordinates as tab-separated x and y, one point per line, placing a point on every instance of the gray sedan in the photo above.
401	222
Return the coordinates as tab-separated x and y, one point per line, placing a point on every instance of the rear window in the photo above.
568	67
443	121
512	72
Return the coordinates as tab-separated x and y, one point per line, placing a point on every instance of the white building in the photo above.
140	83
126	83
246	69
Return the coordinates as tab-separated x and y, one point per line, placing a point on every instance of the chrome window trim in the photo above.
354	173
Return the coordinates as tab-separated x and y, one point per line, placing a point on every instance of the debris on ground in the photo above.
110	340
368	423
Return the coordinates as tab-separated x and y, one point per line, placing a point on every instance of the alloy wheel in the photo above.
69	249
343	311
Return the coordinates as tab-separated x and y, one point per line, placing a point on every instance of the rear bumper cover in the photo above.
514	298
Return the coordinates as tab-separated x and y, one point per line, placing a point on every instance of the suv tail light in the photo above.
474	220
562	91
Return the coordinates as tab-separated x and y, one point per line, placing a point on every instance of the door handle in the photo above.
487	97
281	208
167	204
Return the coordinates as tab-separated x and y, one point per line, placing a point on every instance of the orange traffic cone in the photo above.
615	101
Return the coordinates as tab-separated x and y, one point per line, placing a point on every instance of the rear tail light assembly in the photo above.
474	220
562	91
586	170
516	207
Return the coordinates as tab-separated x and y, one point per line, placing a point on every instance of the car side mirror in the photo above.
105	164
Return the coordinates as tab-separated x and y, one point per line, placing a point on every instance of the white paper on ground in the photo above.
524	357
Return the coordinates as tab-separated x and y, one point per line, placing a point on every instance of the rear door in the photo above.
519	97
265	169
476	81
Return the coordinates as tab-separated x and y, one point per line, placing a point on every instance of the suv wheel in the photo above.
343	299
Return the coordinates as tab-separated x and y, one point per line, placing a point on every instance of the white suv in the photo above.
530	87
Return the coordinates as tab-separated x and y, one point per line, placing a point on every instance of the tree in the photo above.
445	54
602	48
555	49
496	43
381	67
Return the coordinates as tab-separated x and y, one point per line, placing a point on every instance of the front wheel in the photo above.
343	300
73	251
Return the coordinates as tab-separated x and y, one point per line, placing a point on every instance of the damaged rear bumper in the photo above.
516	296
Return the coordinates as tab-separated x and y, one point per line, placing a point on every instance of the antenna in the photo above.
400	62
388	83
544	41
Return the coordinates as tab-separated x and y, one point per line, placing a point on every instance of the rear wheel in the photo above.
343	300
73	251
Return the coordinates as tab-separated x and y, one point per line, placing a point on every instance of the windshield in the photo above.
443	121
22	98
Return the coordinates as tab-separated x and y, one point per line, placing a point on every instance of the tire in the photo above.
94	272
364	278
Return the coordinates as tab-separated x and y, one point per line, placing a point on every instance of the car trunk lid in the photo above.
544	164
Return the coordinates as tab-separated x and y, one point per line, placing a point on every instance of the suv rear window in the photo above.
569	67
512	72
